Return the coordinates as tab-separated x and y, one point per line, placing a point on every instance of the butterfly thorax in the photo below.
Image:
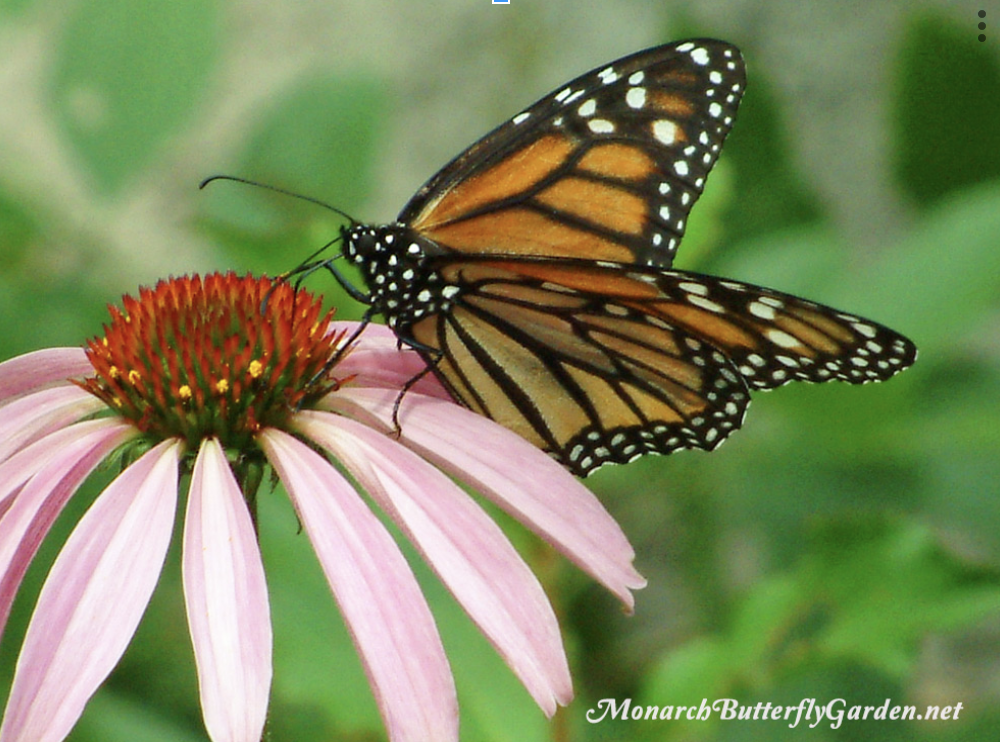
393	262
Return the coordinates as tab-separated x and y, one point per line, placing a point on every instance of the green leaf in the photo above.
942	279
114	716
772	194
18	230
864	595
885	585
319	140
946	108
14	7
127	77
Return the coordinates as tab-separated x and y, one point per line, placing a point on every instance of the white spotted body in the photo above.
393	262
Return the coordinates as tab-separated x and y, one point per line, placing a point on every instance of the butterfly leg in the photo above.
397	429
427	353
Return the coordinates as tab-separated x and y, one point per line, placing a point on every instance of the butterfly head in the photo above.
358	242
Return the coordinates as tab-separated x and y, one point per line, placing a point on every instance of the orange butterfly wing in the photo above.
605	168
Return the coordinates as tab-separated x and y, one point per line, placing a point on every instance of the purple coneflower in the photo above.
204	377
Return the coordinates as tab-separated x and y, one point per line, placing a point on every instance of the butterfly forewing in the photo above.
605	168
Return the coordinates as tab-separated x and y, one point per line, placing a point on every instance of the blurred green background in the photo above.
845	544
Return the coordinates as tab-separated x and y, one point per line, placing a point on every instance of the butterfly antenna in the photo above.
276	189
310	264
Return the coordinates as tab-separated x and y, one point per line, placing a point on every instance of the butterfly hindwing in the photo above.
774	338
601	362
583	375
606	168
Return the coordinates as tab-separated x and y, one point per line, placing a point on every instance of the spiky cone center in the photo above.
218	356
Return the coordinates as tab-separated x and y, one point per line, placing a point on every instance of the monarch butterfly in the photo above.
533	273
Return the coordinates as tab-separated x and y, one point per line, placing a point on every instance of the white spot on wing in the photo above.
781	338
665	131
700	56
711	306
601	126
761	310
867	330
694	288
636	97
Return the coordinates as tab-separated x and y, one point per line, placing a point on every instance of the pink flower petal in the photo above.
40	369
378	361
382	604
226	599
36	483
463	545
512	473
93	599
31	417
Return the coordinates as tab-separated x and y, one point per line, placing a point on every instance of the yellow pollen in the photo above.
222	386
113	372
184	392
256	369
134	376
